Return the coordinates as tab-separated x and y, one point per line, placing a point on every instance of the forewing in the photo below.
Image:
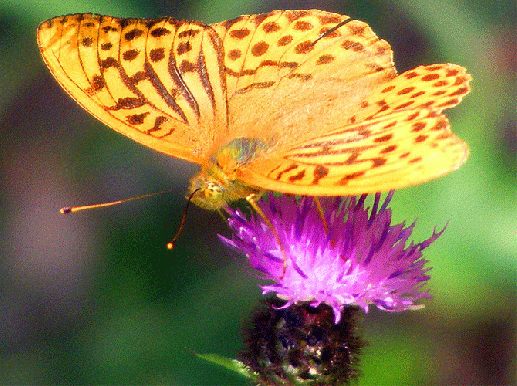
288	69
157	81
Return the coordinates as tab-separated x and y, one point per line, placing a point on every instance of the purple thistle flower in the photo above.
359	259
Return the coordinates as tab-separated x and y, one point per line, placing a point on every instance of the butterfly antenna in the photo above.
74	209
252	199
172	243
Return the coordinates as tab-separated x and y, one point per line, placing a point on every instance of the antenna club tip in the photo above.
65	210
170	246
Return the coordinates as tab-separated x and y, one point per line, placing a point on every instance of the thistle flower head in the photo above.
344	254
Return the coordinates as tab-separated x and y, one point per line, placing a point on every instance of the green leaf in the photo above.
230	364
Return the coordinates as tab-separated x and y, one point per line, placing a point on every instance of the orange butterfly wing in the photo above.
158	82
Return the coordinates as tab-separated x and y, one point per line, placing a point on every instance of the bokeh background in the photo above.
95	298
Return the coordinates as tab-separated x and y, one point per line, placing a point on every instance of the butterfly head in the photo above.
206	192
209	192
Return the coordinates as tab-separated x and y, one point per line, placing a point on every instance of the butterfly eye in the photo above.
213	191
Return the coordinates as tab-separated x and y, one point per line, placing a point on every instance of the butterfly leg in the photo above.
222	213
253	199
321	212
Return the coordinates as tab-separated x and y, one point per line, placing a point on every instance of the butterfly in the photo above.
300	102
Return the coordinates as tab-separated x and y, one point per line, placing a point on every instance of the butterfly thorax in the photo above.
218	182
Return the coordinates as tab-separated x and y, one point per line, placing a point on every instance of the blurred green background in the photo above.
95	298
